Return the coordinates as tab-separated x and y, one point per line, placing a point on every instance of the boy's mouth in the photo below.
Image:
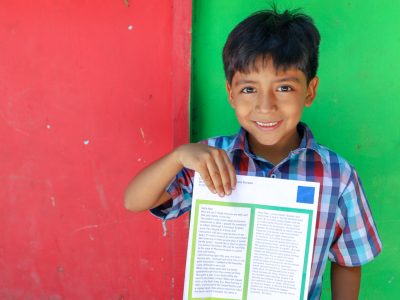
268	125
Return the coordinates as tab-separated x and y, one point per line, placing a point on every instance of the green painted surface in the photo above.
356	111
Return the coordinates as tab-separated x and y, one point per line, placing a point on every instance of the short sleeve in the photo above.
180	190
356	240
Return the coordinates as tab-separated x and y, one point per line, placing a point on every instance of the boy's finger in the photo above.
220	160
203	171
231	171
214	172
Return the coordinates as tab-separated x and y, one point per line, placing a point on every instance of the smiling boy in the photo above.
270	62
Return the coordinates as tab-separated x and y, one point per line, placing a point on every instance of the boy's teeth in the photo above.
267	124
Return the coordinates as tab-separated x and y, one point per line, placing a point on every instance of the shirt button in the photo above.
273	176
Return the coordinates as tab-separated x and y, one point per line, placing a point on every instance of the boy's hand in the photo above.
213	165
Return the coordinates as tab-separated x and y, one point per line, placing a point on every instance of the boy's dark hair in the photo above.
290	39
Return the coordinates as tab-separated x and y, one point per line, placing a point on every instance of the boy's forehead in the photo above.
262	64
268	69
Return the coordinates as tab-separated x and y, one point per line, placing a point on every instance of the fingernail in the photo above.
221	194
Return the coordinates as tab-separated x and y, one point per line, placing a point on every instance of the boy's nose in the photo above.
266	103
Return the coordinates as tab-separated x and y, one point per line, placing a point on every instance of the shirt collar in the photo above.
240	142
307	141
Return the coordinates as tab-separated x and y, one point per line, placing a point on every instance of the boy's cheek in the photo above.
241	110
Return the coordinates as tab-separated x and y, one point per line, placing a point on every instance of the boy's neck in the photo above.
276	153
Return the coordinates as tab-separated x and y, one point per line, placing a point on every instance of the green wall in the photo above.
355	113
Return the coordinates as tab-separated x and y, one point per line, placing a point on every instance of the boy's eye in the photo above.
285	88
248	90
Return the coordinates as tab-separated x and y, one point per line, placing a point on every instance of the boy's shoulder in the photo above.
328	156
332	157
336	167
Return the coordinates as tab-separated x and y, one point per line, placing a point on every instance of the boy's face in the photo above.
269	104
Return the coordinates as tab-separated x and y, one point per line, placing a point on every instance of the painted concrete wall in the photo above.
356	111
90	92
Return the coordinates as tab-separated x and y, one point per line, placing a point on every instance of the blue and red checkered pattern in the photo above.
345	230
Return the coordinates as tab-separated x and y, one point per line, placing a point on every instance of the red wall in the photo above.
90	92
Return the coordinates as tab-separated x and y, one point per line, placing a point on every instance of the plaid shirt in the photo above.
345	229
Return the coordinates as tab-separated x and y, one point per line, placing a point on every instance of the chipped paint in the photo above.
102	196
142	132
113	223
53	201
60	269
144	262
86	227
164	226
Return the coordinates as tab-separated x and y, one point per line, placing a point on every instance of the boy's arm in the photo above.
147	189
345	282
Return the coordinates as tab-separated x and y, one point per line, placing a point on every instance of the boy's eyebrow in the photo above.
291	78
283	79
245	81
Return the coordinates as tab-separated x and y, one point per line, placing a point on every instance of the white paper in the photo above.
254	244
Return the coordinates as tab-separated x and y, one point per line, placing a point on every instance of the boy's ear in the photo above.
311	91
230	93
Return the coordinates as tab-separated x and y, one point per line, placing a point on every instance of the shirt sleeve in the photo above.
356	240
180	189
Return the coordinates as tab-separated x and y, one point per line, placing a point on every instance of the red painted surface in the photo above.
90	92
